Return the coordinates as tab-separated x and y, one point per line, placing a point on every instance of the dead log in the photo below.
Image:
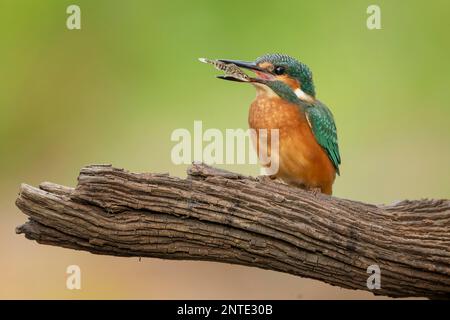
221	216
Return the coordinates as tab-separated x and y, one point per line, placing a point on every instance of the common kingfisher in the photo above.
286	100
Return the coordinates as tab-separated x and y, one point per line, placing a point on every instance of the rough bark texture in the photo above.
221	216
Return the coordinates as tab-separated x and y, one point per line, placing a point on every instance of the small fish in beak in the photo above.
232	71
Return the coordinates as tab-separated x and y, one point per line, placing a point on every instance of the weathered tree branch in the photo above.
221	216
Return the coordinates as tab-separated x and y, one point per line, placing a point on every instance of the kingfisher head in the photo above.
278	72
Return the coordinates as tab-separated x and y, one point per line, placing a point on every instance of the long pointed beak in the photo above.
229	78
244	64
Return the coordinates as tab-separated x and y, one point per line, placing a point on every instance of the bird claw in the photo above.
270	178
315	191
266	178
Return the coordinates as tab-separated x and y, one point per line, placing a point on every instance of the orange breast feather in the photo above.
302	161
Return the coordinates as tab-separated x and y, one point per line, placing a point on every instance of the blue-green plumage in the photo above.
322	125
294	68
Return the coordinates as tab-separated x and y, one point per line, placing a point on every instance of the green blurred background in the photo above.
114	91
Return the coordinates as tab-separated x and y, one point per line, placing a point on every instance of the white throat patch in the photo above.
302	95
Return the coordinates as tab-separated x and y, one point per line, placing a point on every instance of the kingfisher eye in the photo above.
279	70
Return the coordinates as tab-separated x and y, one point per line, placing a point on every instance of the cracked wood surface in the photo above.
221	216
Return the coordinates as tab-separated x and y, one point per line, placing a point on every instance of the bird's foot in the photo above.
270	178
314	191
264	178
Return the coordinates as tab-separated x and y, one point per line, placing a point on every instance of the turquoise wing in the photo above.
322	124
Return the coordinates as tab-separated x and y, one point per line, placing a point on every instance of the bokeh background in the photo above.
114	91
